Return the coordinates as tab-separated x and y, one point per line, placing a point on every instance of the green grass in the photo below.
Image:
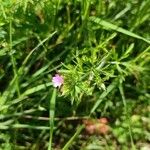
102	50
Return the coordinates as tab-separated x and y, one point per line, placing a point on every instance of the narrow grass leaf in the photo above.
111	26
11	90
103	95
23	126
24	95
51	116
69	143
36	89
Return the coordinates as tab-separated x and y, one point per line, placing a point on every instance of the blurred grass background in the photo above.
102	50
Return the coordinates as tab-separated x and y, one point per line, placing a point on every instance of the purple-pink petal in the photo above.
57	80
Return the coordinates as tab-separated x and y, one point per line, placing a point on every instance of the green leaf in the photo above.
51	116
69	143
111	26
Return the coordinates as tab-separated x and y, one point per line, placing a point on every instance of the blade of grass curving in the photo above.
69	143
41	43
25	94
51	116
103	95
128	51
142	54
11	90
40	71
17	114
13	60
39	74
36	89
111	26
123	12
8	122
23	126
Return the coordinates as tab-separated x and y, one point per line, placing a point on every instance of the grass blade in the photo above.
11	90
111	26
69	143
23	126
25	94
52	115
103	95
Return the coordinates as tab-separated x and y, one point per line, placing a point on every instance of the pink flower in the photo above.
57	80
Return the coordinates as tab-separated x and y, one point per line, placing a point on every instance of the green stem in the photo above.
13	61
51	116
69	143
